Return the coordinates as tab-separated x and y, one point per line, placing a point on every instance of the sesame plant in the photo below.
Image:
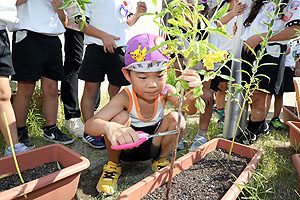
185	20
80	5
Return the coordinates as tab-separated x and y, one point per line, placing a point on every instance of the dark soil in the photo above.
210	178
28	175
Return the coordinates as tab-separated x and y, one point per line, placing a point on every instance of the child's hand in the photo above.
207	96
234	28
119	134
252	41
141	8
56	4
238	8
109	43
191	77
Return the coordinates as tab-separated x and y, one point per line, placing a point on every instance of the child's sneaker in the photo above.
159	164
24	138
180	145
20	147
220	123
75	126
109	179
95	142
246	138
276	123
54	135
198	141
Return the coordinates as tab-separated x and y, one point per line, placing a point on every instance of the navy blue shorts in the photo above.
144	151
97	63
37	55
6	66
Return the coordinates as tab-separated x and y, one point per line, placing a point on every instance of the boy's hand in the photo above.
141	8
119	134
191	77
56	4
238	8
109	43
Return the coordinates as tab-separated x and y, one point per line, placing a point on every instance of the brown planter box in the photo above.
59	185
288	114
295	135
155	180
296	160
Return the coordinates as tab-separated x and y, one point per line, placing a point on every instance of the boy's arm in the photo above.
19	2
140	8
107	39
101	124
60	12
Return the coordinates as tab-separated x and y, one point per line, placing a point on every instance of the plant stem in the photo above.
175	146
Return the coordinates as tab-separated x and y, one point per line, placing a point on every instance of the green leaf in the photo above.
74	15
221	12
184	84
229	78
178	87
154	2
198	91
160	45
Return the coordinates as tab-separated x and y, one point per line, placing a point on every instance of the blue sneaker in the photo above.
198	141
180	145
20	147
95	142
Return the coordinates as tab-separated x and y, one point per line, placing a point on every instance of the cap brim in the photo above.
148	66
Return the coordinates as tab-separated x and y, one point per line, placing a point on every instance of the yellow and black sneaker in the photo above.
159	164
109	178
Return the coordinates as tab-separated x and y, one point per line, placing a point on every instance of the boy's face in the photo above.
147	85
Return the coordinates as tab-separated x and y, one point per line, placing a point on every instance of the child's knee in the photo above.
172	119
5	95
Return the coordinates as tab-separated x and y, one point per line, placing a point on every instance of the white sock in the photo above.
201	133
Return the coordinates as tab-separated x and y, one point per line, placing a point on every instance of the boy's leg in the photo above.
112	170
275	121
204	121
256	124
165	144
220	102
21	107
50	105
87	107
5	106
113	90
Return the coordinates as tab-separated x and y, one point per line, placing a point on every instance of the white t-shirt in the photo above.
109	16
8	12
258	23
227	43
292	13
289	60
38	16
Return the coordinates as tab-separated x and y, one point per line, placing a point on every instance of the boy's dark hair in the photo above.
257	4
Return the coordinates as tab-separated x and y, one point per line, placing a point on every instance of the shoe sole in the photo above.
96	147
108	193
58	142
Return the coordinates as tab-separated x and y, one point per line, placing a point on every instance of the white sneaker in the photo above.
75	126
198	141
